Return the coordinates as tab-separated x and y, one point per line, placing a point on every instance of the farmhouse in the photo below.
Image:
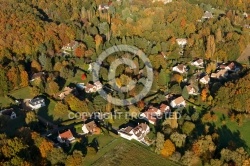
205	79
90	128
181	42
66	137
138	133
191	90
36	76
198	62
178	102
37	103
179	68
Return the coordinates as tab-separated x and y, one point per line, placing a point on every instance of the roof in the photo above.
66	135
37	75
219	74
206	78
36	101
207	14
163	107
179	100
140	129
91	126
189	88
181	67
231	65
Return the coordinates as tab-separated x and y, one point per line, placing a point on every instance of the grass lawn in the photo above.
230	130
47	111
122	152
23	93
5	101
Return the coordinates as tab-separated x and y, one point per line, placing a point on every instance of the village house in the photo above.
207	15
66	91
137	133
191	90
205	79
153	113
180	68
178	102
36	103
66	137
91	128
163	1
70	47
181	42
90	88
36	76
9	113
198	63
223	73
103	7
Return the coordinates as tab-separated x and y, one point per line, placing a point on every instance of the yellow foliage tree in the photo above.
168	148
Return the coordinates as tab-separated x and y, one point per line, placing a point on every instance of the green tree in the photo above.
188	127
3	82
159	142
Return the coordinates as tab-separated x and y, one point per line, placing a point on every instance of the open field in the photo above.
5	102
122	152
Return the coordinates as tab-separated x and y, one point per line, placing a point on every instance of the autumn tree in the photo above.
52	88
210	48
60	110
35	66
133	111
178	139
76	159
24	78
3	82
75	104
188	127
168	148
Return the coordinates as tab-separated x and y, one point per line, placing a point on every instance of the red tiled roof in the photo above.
66	135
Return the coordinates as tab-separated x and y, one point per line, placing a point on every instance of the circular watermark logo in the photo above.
112	74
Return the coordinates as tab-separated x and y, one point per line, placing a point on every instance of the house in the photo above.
89	88
103	7
36	103
66	137
181	42
36	76
178	102
179	68
98	85
90	128
163	1
191	90
8	112
223	73
231	66
81	86
137	133
198	62
205	79
66	91
207	15
70	47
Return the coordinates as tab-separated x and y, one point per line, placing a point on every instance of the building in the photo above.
36	76
70	47
178	102
89	88
98	85
163	1
66	137
9	113
181	42
198	63
67	91
137	133
223	73
207	15
91	128
36	103
153	113
205	79
191	90
179	68
103	7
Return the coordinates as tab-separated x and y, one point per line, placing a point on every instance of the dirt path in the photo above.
244	57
